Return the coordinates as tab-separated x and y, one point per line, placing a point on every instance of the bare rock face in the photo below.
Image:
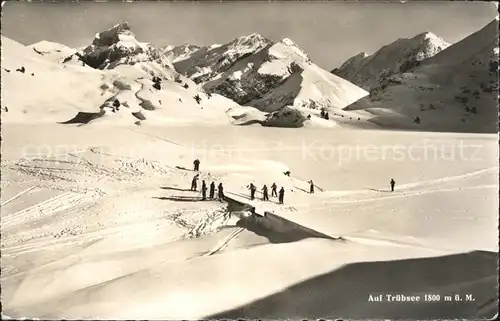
285	117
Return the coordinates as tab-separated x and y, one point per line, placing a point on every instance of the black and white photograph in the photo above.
218	160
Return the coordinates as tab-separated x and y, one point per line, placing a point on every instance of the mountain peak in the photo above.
114	35
122	25
287	49
288	42
397	57
117	46
251	40
430	37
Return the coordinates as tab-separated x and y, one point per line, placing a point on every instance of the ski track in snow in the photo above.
43	209
225	242
17	196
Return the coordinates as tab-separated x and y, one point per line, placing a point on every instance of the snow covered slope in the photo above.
369	71
456	90
35	89
255	71
57	52
112	206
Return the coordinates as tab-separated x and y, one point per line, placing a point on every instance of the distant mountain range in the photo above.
422	83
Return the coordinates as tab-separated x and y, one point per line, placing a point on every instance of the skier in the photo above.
265	195
287	173
273	190
197	98
196	165
212	190
194	182
322	114
282	195
116	104
392	184
308	117
220	191
203	190
327	117
311	187
252	191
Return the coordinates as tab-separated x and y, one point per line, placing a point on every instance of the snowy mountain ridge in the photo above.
275	77
369	71
208	62
178	53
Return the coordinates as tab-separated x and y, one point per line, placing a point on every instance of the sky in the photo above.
329	32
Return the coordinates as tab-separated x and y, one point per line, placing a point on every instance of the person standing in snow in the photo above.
392	184
322	114
327	117
252	191
220	191
265	195
274	193
212	190
196	164
281	195
116	104
311	187
203	190
194	183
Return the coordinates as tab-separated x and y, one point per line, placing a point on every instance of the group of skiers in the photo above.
204	188
252	187
220	188
324	115
265	193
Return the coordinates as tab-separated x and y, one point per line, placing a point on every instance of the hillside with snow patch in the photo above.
369	71
35	89
456	90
